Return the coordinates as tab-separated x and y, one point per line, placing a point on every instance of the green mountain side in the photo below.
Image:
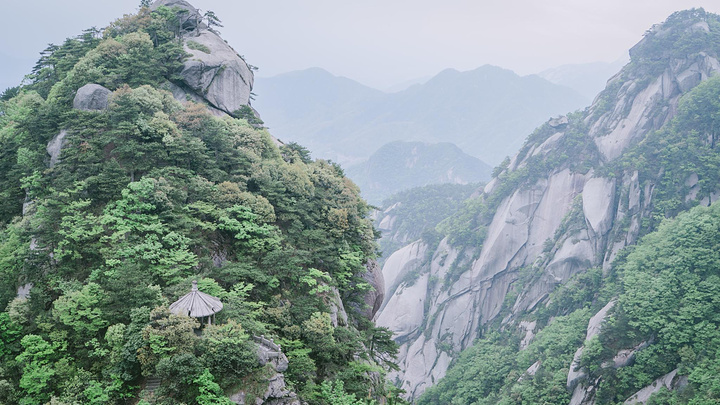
415	213
108	213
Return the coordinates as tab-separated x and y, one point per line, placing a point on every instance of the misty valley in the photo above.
176	230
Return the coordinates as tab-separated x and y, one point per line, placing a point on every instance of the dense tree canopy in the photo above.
147	196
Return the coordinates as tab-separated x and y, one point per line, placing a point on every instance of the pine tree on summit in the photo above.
212	20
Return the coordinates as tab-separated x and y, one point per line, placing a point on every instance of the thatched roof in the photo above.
196	304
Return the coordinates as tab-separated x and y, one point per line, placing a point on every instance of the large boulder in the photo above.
216	72
92	97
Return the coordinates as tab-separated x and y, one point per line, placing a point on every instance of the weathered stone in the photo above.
405	311
598	198
338	316
531	214
399	264
575	374
269	352
669	381
529	328
24	290
548	145
533	369
649	107
507	233
626	357
575	254
28	207
190	20
185	96
559	121
55	146
634	193
595	323
220	77
387	223
578	396
374	297
490	186
92	97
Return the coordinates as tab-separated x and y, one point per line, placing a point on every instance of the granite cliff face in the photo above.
557	214
214	74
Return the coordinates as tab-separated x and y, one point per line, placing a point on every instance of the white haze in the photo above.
378	42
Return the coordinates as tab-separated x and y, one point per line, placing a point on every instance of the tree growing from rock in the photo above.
212	20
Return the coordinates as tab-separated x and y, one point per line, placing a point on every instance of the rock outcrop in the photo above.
669	381
92	97
583	393
214	73
557	225
375	296
55	146
276	392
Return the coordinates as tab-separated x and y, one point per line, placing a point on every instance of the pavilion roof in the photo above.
196	304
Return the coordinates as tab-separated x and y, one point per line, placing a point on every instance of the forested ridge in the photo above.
148	195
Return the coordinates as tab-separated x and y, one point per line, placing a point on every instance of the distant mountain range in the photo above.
399	166
588	79
487	112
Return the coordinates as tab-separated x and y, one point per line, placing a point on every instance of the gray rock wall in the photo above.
527	219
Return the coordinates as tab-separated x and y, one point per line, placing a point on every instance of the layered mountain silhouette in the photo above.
487	112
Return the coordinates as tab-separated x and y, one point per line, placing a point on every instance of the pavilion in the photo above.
197	304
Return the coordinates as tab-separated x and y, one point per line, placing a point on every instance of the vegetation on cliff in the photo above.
148	195
665	288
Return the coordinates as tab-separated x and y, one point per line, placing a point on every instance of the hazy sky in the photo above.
377	42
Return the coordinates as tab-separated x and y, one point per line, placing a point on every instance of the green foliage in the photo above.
147	196
210	392
228	353
197	46
675	39
574	150
493	370
670	287
684	149
418	211
333	393
248	114
81	311
37	369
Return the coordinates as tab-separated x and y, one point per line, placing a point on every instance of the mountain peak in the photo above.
681	34
215	74
174	3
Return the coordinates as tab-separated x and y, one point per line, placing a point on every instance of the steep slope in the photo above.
116	198
569	201
399	166
411	214
486	112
